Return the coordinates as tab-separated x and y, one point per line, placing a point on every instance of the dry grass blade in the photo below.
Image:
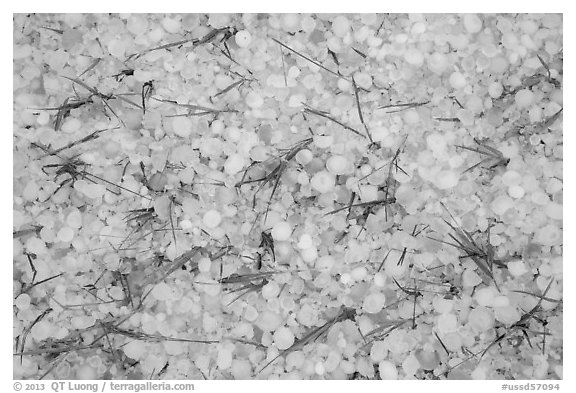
403	106
360	110
325	115
25	232
310	60
383	201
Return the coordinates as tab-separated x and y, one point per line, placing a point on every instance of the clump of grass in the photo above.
275	175
314	334
491	155
483	256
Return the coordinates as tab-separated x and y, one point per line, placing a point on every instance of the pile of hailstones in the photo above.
288	196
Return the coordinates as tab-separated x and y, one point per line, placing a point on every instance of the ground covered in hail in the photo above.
287	196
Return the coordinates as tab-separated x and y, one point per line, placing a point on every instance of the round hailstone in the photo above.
332	361
41	330
485	296
281	231
549	235
495	89
447	179
117	48
172	26
387	370
378	351
74	219
447	323
22	302
269	321
524	98
243	38
363	80
481	319
204	265
71	125
554	210
270	290
516	191
457	80
234	164
340	26
162	292
86	372
517	268
428	360
283	338
437	63
323	182
510	178
224	359
305	242
507	314
472	23
309	255
182	126
254	100
304	156
374	303
414	57
501	204
337	164
65	234
135	349
212	218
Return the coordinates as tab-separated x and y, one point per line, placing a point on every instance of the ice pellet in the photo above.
428	360
447	179
234	164
212	218
414	57
516	191
22	301
243	38
387	370
472	23
374	303
501	204
269	321
283	338
224	359
281	231
162	292
323	182
134	349
340	25
524	98
495	89
457	80
337	165
378	351
481	319
182	126
65	234
485	296
554	210
74	219
549	235
447	323
254	100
